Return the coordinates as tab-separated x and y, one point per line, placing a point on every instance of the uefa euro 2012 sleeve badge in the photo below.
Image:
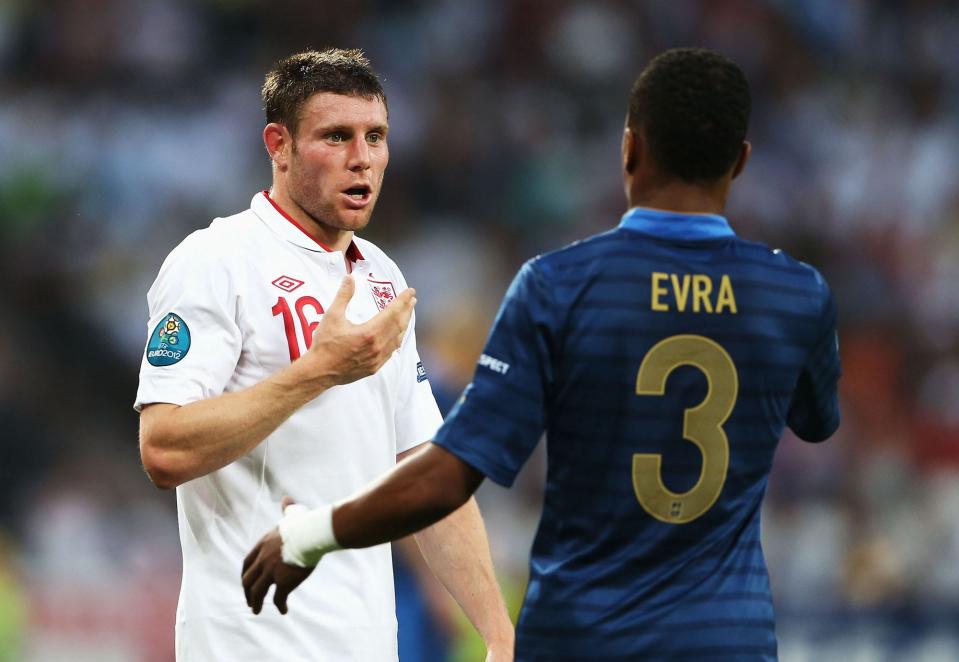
169	342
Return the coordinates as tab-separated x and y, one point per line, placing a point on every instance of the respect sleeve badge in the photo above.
169	342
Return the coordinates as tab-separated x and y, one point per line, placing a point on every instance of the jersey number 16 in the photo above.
282	307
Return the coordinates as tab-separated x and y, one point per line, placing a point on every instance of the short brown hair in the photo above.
296	78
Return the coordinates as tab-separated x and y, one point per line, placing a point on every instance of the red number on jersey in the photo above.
282	307
308	327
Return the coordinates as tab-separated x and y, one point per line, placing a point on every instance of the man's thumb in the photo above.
343	296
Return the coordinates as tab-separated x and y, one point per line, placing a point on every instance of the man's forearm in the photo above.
418	492
178	444
457	551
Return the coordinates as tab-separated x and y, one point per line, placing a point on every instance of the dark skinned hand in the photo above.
264	566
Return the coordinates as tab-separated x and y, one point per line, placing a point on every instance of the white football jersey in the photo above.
233	304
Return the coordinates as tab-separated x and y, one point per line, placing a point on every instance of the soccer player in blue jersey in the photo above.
663	359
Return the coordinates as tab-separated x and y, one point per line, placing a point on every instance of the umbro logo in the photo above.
287	284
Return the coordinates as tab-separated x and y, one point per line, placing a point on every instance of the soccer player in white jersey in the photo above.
282	361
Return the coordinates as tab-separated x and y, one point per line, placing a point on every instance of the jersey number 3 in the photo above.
702	425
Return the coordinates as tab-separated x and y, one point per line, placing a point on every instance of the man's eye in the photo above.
375	137
335	137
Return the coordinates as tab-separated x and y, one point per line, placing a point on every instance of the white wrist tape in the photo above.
307	534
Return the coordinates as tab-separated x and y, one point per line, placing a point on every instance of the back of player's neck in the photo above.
680	197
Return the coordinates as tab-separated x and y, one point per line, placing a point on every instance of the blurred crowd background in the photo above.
127	124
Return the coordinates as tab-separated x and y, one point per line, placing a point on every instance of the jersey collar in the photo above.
676	225
286	226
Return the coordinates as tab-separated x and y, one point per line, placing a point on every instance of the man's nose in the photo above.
359	155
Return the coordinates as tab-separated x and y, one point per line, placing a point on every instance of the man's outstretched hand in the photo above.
264	566
342	352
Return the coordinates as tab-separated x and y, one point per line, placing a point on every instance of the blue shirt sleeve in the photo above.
814	411
501	416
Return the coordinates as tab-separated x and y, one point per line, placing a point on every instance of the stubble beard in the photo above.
327	213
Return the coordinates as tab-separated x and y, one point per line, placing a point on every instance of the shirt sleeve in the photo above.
417	416
193	341
814	411
501	416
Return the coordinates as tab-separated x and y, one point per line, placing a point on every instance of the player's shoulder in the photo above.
569	268
215	252
218	240
800	274
577	256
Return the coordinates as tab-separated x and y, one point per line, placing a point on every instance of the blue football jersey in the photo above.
663	360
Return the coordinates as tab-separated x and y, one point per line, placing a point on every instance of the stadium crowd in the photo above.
127	124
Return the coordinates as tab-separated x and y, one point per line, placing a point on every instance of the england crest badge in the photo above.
383	292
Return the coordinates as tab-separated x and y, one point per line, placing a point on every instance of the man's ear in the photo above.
744	153
631	146
278	142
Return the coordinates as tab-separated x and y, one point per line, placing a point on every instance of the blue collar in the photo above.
676	225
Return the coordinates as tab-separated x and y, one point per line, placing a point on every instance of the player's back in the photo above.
678	354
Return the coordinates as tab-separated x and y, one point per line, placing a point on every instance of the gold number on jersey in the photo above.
702	425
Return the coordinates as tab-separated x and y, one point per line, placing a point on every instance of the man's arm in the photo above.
420	491
441	609
814	411
457	551
180	443
423	489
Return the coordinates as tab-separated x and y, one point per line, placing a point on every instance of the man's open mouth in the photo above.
358	192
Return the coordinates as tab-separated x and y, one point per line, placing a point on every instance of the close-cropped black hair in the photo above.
692	106
296	78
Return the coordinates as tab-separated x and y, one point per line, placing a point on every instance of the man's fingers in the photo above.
279	598
286	502
343	296
402	303
250	558
258	591
396	316
250	575
406	297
